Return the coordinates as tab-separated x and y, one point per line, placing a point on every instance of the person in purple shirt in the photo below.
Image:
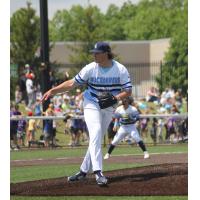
21	132
14	110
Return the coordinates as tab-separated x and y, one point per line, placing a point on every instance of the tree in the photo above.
84	26
175	69
24	40
60	27
154	19
24	36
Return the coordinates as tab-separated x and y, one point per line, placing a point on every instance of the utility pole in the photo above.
44	51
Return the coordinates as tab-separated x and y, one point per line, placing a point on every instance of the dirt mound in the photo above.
163	179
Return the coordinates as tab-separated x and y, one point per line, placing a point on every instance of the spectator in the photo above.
78	98
48	126
30	89
57	102
27	69
144	127
160	130
65	105
18	95
154	130
66	108
152	95
38	92
21	132
76	129
14	110
170	129
179	99
166	94
31	129
38	111
168	104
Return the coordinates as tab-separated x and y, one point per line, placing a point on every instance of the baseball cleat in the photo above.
107	155
102	181
79	176
146	155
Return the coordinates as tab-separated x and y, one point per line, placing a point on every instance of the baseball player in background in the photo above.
126	116
107	82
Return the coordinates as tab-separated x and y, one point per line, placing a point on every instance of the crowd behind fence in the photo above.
162	114
153	128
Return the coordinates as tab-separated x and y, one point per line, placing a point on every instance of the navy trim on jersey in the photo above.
104	90
77	80
81	78
101	85
128	86
126	83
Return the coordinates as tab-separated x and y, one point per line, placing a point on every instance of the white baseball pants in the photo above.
125	130
97	123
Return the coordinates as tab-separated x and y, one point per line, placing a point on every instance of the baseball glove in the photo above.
106	100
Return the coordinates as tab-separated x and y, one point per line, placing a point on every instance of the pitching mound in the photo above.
163	179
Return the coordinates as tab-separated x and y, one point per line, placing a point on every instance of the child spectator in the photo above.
31	129
21	132
48	126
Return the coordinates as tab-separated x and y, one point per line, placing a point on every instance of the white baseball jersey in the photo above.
127	121
126	116
99	79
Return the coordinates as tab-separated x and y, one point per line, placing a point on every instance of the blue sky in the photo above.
54	5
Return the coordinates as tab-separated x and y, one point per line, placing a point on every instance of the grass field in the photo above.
20	174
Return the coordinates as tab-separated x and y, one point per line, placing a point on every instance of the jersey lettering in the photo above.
105	80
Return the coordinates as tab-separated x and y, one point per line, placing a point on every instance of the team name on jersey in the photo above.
105	80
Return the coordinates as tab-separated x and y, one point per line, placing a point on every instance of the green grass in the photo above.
80	152
21	174
103	198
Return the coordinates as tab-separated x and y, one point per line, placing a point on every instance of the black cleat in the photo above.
79	176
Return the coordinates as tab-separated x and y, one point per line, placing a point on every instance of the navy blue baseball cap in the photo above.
101	47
